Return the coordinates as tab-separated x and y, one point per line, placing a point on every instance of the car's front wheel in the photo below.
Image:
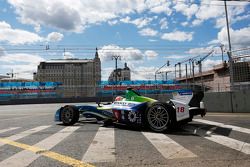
158	117
69	115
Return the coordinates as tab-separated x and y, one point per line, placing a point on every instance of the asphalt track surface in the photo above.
30	137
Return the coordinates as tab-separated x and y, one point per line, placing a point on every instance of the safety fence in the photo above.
231	74
33	90
29	90
240	70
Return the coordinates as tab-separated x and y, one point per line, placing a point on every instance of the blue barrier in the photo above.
24	90
137	82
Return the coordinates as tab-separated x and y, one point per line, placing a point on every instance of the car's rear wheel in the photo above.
158	117
69	115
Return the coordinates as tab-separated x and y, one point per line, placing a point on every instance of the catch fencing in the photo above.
240	70
231	74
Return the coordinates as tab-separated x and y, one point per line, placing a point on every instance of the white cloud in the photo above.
37	28
152	40
106	72
197	22
68	55
113	22
4	25
83	13
239	38
143	73
215	10
240	18
17	36
163	23
137	72
159	6
210	9
54	36
148	32
184	24
150	54
187	10
21	57
128	54
201	50
208	64
22	64
176	57
221	21
2	51
178	36
139	22
75	17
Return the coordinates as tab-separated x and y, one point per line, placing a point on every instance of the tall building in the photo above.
79	77
121	74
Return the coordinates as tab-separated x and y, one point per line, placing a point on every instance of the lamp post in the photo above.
230	50
222	51
156	72
116	57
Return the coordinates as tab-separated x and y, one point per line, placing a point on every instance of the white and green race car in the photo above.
136	110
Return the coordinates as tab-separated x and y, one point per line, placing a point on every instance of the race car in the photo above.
139	111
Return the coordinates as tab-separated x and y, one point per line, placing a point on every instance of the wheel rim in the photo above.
67	115
158	117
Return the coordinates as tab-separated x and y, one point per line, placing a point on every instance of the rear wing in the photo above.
192	98
187	104
183	96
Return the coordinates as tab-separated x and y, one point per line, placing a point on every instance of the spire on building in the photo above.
96	53
126	66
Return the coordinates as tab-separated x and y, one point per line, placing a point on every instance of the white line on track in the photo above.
8	129
228	115
223	140
25	157
23	116
168	147
102	147
25	133
235	128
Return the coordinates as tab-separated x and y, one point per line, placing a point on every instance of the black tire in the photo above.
69	115
158	116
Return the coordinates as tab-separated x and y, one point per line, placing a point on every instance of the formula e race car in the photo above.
140	111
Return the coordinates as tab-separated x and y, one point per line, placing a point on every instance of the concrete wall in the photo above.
55	100
228	101
214	101
218	102
241	101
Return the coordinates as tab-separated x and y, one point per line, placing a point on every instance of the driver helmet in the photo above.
119	98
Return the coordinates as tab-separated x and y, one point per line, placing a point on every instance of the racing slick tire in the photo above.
158	116
69	115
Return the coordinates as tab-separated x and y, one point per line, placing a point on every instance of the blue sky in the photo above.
145	33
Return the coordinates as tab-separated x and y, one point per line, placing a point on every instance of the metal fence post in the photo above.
231	72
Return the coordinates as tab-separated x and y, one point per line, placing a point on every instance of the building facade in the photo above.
120	74
79	77
218	78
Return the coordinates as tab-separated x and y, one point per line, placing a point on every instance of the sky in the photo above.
144	33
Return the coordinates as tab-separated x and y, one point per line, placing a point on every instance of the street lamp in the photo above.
230	51
116	57
222	51
156	72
